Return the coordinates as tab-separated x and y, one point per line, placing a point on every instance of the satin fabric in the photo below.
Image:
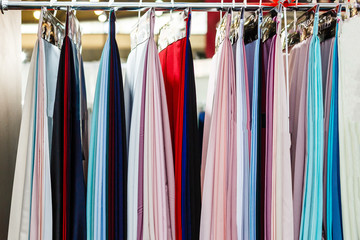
298	70
327	67
333	218
311	221
159	182
242	139
349	131
177	66
208	115
31	208
269	140
282	205
265	48
134	109
254	136
217	218
67	178
106	196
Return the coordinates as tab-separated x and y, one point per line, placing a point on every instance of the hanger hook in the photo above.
1	6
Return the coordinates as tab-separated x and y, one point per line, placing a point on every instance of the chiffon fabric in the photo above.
242	139
254	136
298	68
349	126
152	163
265	48
311	218
282	204
31	206
67	178
177	65
327	67
134	112
269	140
333	218
107	172
218	218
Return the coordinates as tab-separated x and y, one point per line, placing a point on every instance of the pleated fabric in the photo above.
242	138
333	218
31	206
265	48
217	218
107	172
178	71
298	72
254	136
282	204
327	67
269	140
155	168
349	130
311	218
134	117
67	178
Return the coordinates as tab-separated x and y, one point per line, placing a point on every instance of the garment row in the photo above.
275	158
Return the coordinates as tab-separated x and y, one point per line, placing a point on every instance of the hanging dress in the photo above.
219	176
311	218
31	206
333	219
177	65
151	169
107	172
254	120
67	178
298	69
242	139
134	117
349	126
282	208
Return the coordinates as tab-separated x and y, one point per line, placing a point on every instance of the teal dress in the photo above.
311	218
334	220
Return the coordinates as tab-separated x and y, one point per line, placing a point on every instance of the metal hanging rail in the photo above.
136	6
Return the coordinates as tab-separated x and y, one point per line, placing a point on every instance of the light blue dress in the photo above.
96	194
311	219
254	134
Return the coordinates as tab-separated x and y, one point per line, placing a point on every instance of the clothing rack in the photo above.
136	6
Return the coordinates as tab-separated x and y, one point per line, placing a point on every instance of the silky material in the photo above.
311	218
298	70
208	115
282	204
33	195
134	109
41	217
177	66
349	122
242	139
254	101
327	67
250	50
333	218
265	48
159	182
269	140
219	176
92	154
69	219
106	195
